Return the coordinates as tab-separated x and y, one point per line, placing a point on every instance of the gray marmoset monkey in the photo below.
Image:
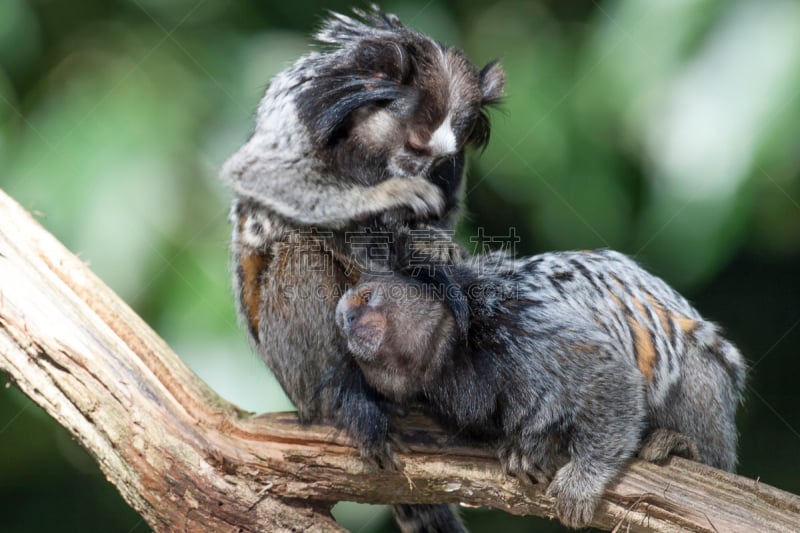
363	138
564	362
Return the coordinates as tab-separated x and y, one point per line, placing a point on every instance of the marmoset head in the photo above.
400	331
387	101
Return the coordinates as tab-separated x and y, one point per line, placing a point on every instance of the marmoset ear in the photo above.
493	83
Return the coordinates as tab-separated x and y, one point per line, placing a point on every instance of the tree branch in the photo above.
186	459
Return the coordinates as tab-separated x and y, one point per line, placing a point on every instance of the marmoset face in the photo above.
398	332
391	102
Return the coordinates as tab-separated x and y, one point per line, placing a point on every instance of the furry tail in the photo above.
428	519
703	405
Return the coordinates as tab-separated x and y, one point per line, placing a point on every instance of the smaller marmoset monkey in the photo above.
564	362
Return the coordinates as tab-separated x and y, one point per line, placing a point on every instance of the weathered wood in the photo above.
185	459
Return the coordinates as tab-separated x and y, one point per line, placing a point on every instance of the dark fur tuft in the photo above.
337	96
492	80
416	263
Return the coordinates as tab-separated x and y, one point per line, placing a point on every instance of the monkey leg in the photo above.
532	460
603	435
661	443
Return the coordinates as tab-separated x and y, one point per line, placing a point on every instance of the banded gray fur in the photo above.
570	360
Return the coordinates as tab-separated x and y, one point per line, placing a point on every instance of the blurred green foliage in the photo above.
668	130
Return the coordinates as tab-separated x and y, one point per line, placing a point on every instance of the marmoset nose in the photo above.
439	144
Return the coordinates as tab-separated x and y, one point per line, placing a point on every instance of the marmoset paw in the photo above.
574	508
524	469
382	456
422	197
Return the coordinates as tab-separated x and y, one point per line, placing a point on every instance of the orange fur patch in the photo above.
688	325
663	316
646	353
252	265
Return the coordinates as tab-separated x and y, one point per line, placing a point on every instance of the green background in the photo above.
667	130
